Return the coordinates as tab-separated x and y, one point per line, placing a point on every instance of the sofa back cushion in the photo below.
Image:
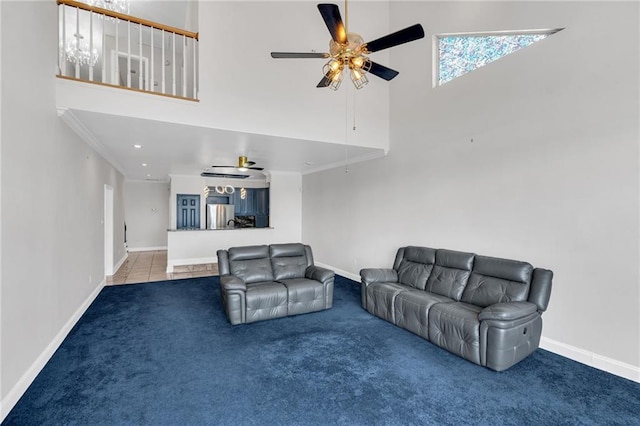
251	263
450	273
414	266
289	260
496	280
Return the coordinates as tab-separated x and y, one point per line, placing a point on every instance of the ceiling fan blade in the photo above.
249	163
382	71
325	82
406	35
256	168
291	55
331	15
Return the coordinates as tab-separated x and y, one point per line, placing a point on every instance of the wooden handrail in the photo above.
115	86
130	18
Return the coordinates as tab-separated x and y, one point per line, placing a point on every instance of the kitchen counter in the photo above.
198	246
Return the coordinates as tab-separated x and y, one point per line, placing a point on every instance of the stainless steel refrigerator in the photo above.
220	216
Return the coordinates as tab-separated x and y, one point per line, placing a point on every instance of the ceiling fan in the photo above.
243	165
348	51
244	169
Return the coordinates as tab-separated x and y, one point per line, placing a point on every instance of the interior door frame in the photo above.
116	55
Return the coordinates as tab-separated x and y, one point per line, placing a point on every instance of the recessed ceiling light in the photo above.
148	175
137	146
144	164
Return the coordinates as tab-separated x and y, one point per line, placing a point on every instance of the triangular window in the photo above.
459	54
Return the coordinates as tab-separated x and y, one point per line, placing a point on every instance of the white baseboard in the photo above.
12	397
119	264
591	359
147	248
344	273
192	261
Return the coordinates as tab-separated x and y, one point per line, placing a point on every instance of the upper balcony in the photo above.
110	48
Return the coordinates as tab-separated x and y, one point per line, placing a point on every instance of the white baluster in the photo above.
195	52
62	58
116	67
153	64
140	58
77	36
162	65
104	50
173	64
184	70
129	54
91	64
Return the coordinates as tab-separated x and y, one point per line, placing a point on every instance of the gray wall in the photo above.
52	197
551	177
146	212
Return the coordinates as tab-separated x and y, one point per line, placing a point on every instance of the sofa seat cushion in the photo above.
456	328
411	310
381	297
265	300
304	295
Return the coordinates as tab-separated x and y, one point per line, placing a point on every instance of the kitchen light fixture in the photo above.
78	51
120	6
144	164
136	146
228	189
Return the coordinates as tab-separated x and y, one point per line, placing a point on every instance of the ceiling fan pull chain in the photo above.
346	131
354	111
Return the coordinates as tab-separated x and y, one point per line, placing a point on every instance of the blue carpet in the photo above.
164	354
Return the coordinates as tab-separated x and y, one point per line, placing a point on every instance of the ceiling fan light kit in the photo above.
348	52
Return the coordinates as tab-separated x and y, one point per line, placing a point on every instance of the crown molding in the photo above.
89	138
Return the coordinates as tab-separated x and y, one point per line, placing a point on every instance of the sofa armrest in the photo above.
375	275
318	273
231	282
508	311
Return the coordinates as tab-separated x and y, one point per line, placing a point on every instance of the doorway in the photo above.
119	61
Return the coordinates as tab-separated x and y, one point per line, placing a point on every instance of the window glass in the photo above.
459	54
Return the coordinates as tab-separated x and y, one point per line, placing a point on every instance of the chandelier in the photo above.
120	6
78	52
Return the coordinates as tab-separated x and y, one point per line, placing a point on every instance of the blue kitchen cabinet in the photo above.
262	207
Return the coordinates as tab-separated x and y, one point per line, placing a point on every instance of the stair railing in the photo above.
109	48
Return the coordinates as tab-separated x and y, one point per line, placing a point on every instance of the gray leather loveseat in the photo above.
484	309
264	282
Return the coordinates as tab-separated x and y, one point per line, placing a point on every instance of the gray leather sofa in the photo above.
484	309
264	282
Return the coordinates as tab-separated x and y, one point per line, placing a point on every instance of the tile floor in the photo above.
146	266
